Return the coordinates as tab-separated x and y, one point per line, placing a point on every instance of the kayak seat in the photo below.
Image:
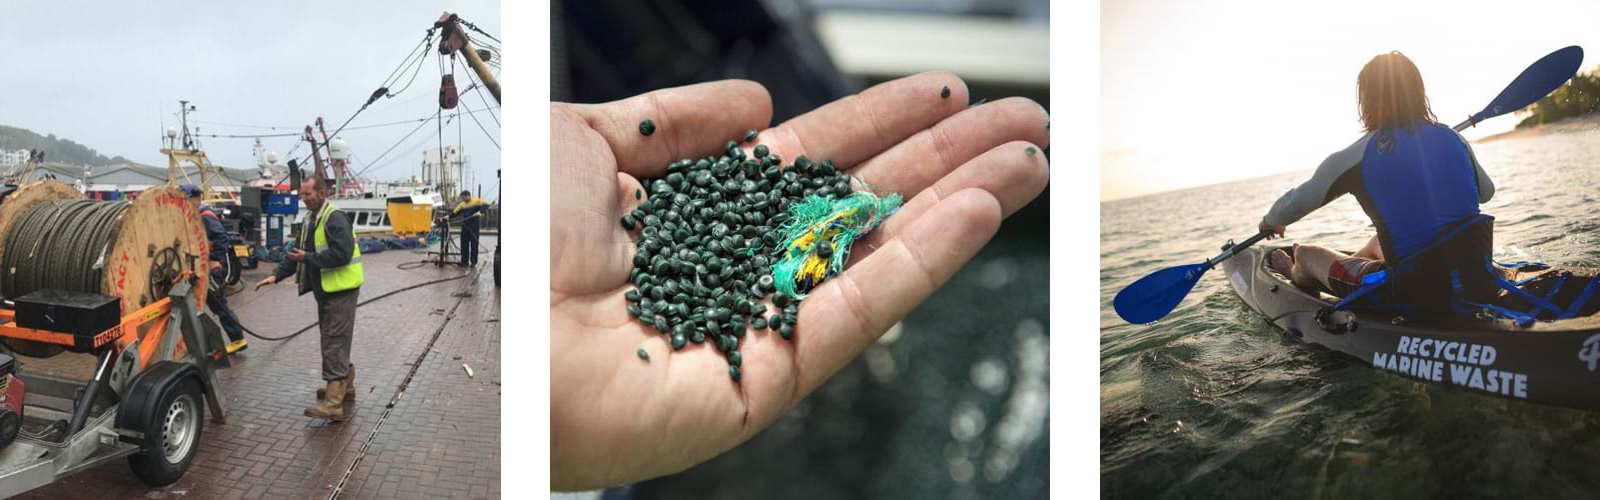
1437	280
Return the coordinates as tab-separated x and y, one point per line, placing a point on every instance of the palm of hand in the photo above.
617	418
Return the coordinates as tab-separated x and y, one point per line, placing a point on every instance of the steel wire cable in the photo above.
60	245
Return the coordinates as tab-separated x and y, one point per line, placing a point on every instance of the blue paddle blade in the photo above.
1543	77
1153	296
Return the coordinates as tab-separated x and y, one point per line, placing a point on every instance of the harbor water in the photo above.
1213	402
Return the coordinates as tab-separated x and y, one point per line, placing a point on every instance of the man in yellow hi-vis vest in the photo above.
332	272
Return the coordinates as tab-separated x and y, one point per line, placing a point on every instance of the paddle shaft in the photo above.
1212	262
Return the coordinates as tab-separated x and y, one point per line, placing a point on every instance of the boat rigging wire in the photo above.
478	89
358	127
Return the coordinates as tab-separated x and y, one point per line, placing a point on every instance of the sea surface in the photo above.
1212	402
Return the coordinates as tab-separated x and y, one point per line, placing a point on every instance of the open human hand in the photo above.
616	418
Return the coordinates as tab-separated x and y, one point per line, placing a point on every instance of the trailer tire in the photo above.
171	434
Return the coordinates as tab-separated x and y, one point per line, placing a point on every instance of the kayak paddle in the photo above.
1540	79
1157	294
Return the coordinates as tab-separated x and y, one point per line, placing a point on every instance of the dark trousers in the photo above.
217	301
336	318
469	245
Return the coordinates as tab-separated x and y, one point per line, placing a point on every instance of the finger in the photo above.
630	194
847	313
926	157
690	121
860	126
1007	172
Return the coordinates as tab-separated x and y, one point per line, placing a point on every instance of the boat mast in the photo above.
183	147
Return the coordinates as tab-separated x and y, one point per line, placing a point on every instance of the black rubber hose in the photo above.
358	304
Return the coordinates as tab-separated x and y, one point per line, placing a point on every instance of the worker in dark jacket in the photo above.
332	272
469	213
216	299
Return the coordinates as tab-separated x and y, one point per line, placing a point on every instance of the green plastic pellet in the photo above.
1032	151
944	93
750	136
647	127
643	355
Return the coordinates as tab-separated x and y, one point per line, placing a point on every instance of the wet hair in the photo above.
1390	94
466	192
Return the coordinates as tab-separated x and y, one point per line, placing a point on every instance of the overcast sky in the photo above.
109	75
1202	92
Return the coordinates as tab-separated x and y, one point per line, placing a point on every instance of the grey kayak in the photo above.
1555	362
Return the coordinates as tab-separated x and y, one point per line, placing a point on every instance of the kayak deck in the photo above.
1553	362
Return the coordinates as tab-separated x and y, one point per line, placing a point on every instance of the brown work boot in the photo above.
330	407
349	386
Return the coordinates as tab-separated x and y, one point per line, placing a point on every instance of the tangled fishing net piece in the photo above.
818	235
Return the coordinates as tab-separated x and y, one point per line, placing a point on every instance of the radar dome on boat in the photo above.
272	157
172	132
338	150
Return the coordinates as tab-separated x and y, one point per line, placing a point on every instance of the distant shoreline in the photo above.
1585	123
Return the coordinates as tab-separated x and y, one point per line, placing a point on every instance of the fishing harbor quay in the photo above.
426	419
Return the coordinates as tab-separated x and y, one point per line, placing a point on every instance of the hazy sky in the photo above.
1202	92
108	74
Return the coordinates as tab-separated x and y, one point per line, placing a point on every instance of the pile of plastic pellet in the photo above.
707	241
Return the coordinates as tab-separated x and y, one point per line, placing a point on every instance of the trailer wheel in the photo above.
171	434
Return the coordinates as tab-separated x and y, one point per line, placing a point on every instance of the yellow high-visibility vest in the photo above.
337	279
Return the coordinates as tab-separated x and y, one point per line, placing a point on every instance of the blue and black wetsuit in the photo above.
1421	188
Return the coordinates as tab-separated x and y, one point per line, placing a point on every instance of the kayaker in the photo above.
1420	184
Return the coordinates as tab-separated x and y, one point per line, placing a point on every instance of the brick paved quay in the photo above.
441	439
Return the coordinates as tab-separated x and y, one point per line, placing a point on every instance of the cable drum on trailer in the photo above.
56	239
60	245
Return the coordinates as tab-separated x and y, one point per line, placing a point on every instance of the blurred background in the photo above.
953	402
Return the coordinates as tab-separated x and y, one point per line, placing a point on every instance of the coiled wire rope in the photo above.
60	245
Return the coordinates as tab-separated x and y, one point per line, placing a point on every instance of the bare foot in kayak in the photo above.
1280	261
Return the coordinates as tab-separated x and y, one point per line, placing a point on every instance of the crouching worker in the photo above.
216	299
332	273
